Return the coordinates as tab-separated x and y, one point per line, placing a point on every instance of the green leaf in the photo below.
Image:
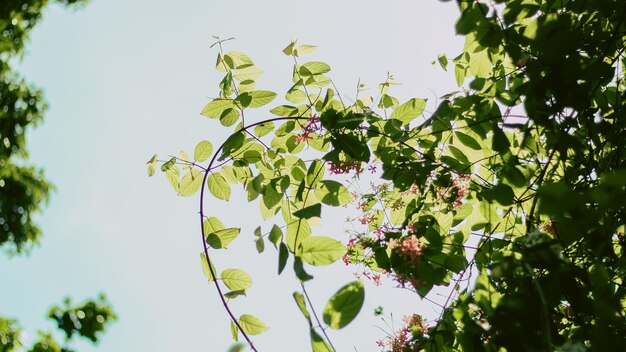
468	140
289	50
501	193
298	268
296	232
237	59
216	108
313	211
409	110
261	97
152	165
246	86
443	61
203	151
251	73
222	238
263	129
234	334
321	250
212	224
285	110
332	193
229	117
318	344
236	279
315	173
167	165
344	305
205	267
295	95
276	235
190	183
283	255
299	298
243	100
314	68
260	244
303	50
234	294
252	325
218	186
479	64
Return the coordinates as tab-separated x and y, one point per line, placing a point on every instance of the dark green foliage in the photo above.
88	320
23	188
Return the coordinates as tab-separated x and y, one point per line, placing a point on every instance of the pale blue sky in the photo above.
127	79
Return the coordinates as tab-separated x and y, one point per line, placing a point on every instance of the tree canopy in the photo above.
509	195
24	190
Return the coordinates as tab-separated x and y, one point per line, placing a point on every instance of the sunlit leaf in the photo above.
409	110
216	108
222	238
190	183
252	325
321	250
236	279
344	305
218	186
333	193
206	269
261	97
203	151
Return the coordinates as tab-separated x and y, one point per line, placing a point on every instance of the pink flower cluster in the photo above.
344	167
309	128
461	183
409	247
405	339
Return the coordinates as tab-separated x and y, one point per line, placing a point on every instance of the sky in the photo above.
127	79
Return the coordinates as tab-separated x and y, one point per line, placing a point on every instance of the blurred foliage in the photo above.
508	195
87	320
23	188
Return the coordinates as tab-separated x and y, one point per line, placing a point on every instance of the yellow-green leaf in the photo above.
218	186
190	183
236	279
252	325
203	151
321	250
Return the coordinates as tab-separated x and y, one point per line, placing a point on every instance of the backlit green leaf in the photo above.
252	325
236	279
222	238
218	186
321	250
276	235
332	193
314	68
203	151
206	269
318	344
285	110
299	298
261	97
216	108
296	232
303	50
344	305
409	110
251	73
190	183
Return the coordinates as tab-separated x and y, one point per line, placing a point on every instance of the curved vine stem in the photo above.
319	323
204	243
